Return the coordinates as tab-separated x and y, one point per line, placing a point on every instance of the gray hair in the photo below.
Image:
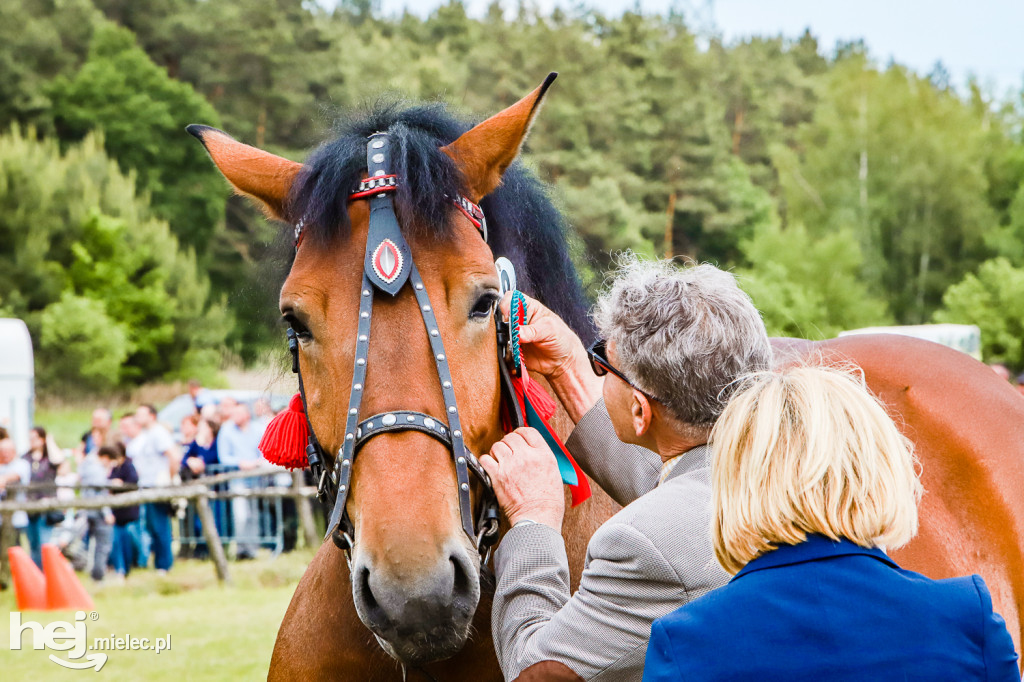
683	334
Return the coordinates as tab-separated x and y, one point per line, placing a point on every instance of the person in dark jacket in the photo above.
122	473
44	459
200	453
202	450
811	483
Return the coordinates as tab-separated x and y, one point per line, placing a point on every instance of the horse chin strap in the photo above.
388	266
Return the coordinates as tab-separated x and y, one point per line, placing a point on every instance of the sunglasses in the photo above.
598	354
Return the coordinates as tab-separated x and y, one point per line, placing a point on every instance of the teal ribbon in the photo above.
565	467
533	419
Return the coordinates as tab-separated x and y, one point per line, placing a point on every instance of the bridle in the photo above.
387	267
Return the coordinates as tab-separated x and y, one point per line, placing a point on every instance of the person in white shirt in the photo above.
14	470
238	445
156	459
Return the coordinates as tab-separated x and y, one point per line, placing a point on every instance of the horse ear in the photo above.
251	171
483	153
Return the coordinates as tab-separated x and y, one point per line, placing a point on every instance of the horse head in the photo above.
415	569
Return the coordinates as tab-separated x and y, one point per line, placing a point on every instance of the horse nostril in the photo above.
463	594
372	609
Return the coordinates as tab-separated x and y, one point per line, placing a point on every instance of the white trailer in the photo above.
963	337
17	381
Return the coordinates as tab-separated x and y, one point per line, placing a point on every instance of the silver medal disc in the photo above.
506	274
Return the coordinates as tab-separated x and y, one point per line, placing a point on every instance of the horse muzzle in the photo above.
420	615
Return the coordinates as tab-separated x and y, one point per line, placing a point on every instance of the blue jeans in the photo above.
123	553
141	540
38	533
158	523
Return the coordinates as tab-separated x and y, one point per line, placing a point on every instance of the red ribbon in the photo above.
544	406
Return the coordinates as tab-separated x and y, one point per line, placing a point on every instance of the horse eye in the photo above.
301	330
484	306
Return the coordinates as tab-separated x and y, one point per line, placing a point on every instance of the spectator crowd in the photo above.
140	452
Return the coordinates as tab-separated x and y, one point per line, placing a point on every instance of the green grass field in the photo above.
216	632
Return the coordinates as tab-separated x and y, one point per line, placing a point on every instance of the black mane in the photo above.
523	224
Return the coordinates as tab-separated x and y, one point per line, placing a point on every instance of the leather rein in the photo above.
388	266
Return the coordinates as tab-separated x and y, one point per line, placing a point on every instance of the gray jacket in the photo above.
648	560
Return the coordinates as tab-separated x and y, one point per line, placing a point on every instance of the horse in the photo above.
413	596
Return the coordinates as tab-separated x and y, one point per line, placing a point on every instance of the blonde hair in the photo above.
809	450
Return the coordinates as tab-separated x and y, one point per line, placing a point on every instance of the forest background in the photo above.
843	192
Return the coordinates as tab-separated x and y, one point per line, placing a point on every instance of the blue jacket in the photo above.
208	455
824	610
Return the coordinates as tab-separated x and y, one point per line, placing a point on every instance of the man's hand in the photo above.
525	477
550	348
196	464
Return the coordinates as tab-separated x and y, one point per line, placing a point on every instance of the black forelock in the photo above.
523	224
426	174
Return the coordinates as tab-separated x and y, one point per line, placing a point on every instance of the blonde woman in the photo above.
811	482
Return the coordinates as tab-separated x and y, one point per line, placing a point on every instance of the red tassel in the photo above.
284	441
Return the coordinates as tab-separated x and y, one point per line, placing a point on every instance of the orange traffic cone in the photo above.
63	589
29	583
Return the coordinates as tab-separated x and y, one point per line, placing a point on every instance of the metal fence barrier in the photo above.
245	523
265	526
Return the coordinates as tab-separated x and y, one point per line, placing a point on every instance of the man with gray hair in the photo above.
674	340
